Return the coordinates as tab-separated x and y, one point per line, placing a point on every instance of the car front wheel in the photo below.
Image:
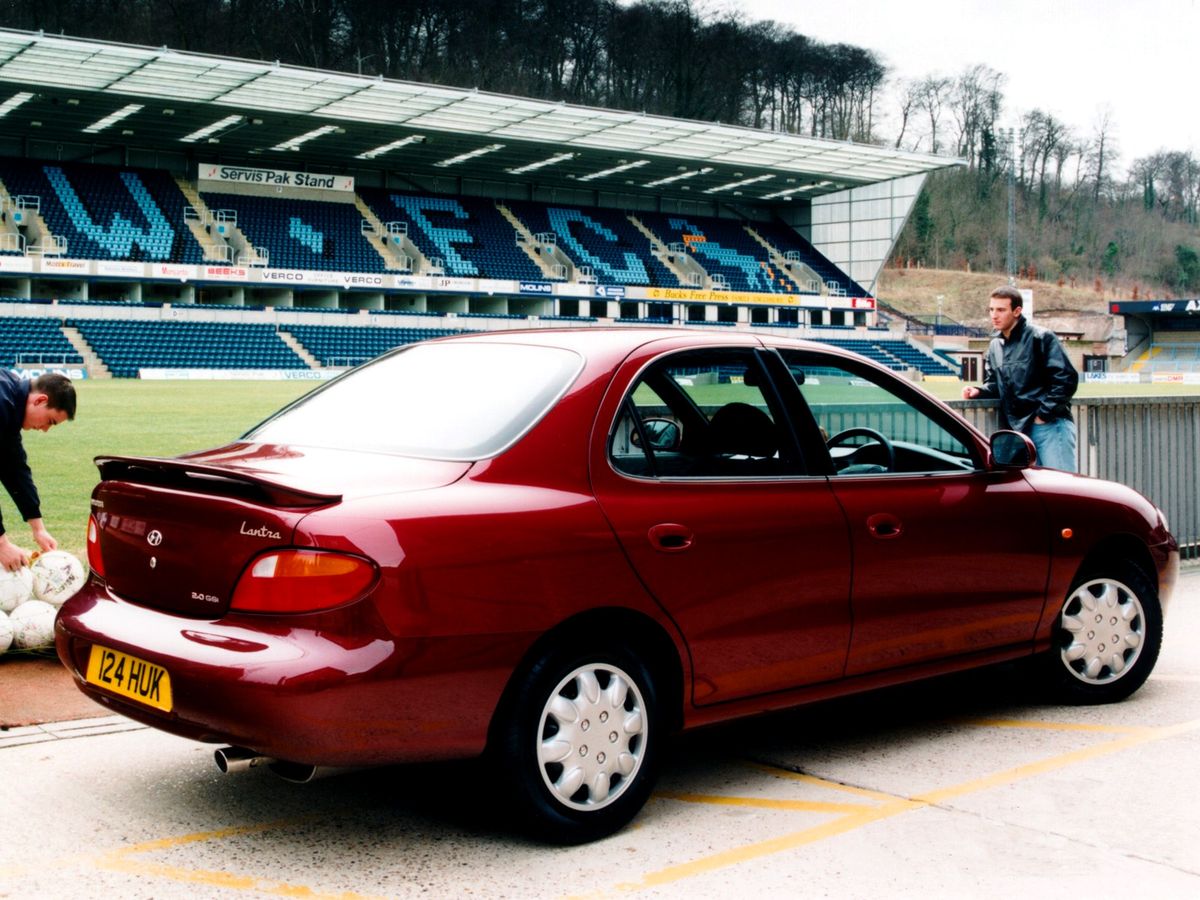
1107	636
579	747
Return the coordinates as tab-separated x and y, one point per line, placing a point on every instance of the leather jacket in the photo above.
1030	374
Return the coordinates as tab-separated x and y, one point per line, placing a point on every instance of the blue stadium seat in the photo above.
33	340
721	247
125	346
302	234
603	239
469	235
785	239
349	345
108	213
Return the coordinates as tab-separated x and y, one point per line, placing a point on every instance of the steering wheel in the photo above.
889	451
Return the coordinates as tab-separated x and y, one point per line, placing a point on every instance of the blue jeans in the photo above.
1055	442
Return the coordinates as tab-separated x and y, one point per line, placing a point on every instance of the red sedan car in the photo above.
557	547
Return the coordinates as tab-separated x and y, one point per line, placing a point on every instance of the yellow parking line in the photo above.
762	802
227	880
1143	736
865	793
122	860
864	816
896	806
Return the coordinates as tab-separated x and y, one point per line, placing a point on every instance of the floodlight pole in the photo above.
1011	255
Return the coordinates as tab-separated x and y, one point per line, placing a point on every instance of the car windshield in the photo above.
455	401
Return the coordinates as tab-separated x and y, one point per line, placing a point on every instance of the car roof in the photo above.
604	347
596	342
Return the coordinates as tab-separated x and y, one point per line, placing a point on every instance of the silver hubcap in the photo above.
592	737
1105	630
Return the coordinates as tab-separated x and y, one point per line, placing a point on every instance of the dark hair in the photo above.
1011	294
60	393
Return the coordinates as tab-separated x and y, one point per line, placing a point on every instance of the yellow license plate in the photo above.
130	677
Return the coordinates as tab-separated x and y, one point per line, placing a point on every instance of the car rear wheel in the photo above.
1107	636
579	747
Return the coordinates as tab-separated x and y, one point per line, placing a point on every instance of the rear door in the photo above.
696	468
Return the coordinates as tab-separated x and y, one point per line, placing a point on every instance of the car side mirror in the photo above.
1012	450
663	434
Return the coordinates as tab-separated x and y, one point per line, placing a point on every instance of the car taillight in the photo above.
298	581
95	560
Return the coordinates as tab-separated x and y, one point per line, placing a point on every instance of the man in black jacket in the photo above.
36	405
1027	369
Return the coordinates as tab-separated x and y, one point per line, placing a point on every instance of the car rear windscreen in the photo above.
456	401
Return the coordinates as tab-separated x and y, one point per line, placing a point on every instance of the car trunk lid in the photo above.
176	534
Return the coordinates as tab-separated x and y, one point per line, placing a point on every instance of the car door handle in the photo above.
670	537
884	526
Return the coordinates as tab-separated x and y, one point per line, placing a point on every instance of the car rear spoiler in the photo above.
197	478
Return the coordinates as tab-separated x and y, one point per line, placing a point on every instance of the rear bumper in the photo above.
335	689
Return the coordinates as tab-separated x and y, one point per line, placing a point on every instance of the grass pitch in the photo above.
164	418
134	418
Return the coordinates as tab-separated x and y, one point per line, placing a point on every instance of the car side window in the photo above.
702	415
869	429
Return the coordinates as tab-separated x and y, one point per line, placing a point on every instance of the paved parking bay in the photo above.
958	788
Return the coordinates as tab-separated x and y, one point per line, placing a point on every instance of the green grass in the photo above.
136	418
163	418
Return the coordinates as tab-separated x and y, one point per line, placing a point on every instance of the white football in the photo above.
33	625
15	588
6	632
57	576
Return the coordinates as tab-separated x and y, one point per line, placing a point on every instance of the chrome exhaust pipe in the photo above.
239	759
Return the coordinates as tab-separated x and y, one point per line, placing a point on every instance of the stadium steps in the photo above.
36	231
530	242
94	364
298	348
784	266
664	255
390	262
213	249
7	226
1142	361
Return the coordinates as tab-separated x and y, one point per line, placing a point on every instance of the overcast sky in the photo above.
1071	58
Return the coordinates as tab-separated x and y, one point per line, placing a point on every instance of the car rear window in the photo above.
455	401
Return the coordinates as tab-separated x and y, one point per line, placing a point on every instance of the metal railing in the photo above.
1150	444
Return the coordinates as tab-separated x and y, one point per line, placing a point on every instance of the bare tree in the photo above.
975	102
1104	150
910	93
934	93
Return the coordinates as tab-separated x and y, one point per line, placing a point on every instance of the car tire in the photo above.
1107	635
578	748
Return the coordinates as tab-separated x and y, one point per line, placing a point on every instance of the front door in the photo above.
949	558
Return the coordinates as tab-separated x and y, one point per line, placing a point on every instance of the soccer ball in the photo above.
6	632
33	625
15	588
57	576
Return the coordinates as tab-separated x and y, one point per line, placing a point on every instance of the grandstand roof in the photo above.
217	109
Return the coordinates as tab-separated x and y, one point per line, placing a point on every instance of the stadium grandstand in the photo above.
168	213
1162	340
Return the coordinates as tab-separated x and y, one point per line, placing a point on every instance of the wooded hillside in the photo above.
1081	211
